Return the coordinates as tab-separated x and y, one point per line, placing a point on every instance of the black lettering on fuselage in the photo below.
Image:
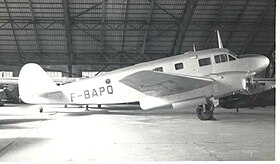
72	95
94	93
86	93
101	90
110	89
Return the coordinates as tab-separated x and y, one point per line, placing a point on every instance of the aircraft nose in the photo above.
261	63
264	62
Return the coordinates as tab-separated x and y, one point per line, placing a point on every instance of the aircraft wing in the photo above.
160	84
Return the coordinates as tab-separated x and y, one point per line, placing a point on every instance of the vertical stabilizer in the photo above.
33	81
219	40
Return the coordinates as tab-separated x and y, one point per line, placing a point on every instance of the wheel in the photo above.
1	103
87	108
99	106
41	109
205	112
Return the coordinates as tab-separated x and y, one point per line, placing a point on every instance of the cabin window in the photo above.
54	74
221	58
159	69
204	62
217	59
91	73
179	66
231	58
6	73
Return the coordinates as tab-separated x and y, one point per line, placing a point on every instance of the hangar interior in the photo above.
84	37
75	36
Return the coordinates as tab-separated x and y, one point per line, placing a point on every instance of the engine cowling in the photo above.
229	83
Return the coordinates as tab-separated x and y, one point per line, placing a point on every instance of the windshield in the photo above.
232	54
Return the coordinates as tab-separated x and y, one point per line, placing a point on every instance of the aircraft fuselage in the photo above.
213	64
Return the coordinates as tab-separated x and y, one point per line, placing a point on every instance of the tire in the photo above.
41	109
208	114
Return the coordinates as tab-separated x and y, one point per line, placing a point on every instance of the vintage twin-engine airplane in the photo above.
187	80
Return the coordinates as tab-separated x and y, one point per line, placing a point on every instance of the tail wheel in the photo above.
205	112
41	109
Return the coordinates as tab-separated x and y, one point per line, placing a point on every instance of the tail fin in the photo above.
34	81
219	40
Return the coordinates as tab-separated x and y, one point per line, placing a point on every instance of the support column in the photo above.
68	36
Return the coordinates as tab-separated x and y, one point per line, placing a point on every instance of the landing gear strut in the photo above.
87	108
205	112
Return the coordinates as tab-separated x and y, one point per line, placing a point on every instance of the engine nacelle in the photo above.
189	103
228	83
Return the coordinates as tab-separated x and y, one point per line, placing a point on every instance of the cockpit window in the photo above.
221	58
204	62
232	53
231	58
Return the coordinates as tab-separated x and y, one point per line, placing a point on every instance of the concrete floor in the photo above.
127	133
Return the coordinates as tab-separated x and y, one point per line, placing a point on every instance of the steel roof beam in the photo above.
68	36
215	23
164	10
185	22
148	24
35	31
124	29
87	10
103	26
236	22
256	26
99	40
13	31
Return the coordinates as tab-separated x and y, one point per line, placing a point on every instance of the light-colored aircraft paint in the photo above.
182	79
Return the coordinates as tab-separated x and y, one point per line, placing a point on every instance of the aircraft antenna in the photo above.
219	40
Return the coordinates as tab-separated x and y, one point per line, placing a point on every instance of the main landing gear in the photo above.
205	112
98	106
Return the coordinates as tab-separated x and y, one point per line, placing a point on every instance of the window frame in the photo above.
179	66
231	57
158	69
202	62
221	58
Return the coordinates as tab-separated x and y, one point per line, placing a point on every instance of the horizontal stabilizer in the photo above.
50	94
